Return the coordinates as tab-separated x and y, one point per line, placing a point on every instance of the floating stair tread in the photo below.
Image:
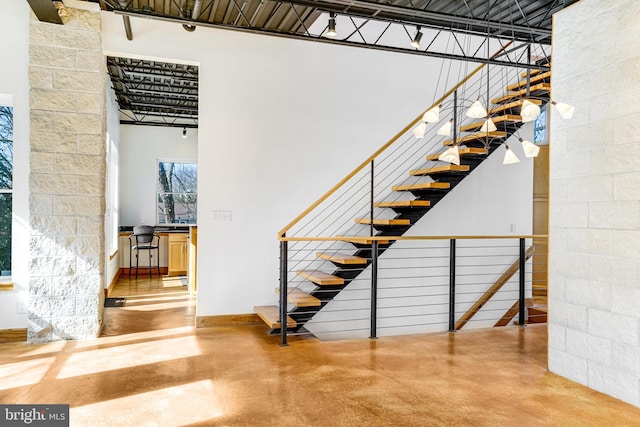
540	87
532	72
339	258
466	151
422	186
381	221
496	120
300	299
515	104
477	136
404	204
365	240
439	169
271	315
321	278
523	83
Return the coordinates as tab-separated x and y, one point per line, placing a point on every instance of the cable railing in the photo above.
422	284
332	249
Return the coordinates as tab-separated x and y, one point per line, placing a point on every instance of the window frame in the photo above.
159	191
7	101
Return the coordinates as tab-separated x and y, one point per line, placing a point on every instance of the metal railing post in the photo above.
283	292
374	290
452	285
371	201
522	308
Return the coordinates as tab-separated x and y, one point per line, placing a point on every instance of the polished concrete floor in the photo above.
153	369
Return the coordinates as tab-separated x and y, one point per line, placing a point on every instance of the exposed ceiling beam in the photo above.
45	10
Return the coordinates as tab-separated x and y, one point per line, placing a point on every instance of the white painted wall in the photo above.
594	255
112	197
141	147
14	80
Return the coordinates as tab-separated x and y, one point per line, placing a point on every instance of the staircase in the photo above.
475	146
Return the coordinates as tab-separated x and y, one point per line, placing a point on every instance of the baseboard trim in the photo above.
144	271
109	289
13	335
228	320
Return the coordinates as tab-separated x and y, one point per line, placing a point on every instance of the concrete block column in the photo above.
67	76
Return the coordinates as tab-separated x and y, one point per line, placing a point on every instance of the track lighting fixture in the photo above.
331	31
509	157
184	132
416	39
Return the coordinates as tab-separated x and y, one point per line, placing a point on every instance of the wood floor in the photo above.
153	368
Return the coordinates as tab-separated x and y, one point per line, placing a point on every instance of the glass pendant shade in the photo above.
445	129
530	149
432	115
452	155
509	157
420	130
529	111
476	111
565	110
488	126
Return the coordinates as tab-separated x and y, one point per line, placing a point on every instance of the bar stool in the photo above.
144	239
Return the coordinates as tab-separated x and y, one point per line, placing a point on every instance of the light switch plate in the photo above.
221	216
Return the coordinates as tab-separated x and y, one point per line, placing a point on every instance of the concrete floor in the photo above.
152	368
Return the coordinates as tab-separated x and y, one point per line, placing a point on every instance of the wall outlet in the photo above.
221	216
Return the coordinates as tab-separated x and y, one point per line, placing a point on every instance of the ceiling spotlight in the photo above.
331	31
184	132
416	39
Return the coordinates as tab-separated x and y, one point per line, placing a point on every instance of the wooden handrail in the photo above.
492	290
406	129
385	238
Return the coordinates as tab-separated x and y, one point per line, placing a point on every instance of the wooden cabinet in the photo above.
178	254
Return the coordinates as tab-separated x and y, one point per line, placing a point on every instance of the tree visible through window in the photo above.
177	193
6	187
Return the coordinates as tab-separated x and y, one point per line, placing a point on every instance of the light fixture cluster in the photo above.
528	112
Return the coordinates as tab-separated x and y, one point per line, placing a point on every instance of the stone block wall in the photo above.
594	245
67	79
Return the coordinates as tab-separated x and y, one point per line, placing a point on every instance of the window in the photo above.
540	127
6	187
177	192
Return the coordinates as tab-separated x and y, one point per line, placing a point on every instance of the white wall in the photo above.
594	255
112	196
140	149
14	80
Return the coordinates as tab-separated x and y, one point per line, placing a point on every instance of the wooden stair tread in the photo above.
540	87
439	169
382	221
342	259
534	79
532	72
321	278
271	315
466	151
511	105
422	186
365	241
403	204
496	120
477	136
300	299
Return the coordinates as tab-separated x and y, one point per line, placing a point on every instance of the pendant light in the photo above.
420	130
488	126
445	129
331	31
509	157
432	115
451	155
416	39
477	111
530	149
529	111
565	110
